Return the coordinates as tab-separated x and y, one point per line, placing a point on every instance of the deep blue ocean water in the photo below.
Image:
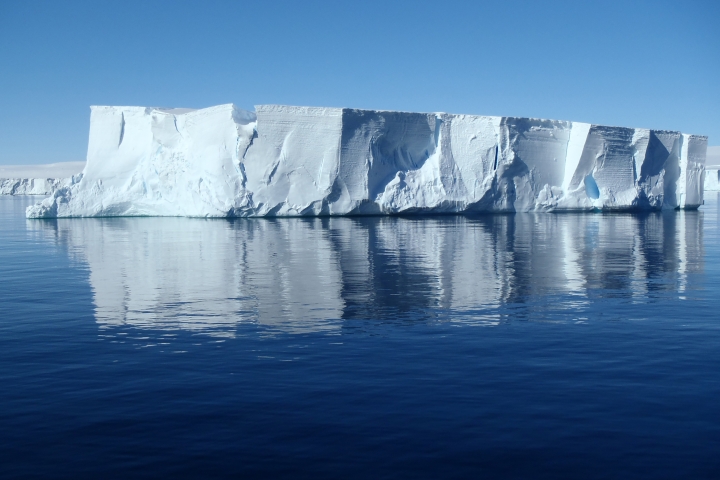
498	346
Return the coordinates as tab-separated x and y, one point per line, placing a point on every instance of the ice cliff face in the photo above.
292	161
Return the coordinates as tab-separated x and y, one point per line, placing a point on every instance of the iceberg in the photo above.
37	179
224	161
712	169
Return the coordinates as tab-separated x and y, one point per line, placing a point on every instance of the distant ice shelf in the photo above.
37	179
308	161
712	169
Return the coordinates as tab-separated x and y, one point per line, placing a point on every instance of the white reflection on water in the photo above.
305	275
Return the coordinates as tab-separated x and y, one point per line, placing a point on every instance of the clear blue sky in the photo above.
653	64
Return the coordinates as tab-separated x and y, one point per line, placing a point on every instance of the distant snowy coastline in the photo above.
712	170
38	179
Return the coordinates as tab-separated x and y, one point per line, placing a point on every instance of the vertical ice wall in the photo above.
152	161
291	161
383	153
692	171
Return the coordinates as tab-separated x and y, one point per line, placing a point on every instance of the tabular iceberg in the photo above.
293	161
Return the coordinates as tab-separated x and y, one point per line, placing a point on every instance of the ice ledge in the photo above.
307	161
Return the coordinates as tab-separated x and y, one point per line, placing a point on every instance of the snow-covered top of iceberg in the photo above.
288	161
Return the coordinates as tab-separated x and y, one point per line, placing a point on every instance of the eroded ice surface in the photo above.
289	161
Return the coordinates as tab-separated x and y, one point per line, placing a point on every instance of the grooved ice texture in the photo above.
291	161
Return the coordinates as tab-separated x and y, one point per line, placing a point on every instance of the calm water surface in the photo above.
499	346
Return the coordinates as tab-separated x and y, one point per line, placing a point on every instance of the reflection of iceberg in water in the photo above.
207	275
303	275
